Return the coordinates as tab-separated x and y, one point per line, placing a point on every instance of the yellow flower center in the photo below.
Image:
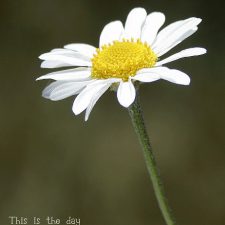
122	59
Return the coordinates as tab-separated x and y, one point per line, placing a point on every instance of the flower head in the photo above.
126	54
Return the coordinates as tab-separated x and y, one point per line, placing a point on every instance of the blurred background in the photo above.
55	164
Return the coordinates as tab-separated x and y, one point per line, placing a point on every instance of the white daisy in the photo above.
126	54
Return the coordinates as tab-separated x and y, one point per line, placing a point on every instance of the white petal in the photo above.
134	23
177	77
176	42
145	75
53	64
174	33
47	90
94	100
64	52
111	32
84	49
72	58
59	90
174	76
184	53
173	27
84	98
126	93
77	74
165	32
152	24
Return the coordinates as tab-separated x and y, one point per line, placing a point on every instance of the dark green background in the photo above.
53	163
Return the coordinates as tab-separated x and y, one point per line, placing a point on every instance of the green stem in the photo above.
139	126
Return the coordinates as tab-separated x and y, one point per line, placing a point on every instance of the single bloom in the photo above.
126	54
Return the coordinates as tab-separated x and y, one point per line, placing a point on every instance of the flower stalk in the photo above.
140	129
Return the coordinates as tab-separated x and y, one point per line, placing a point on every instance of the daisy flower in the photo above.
126	54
